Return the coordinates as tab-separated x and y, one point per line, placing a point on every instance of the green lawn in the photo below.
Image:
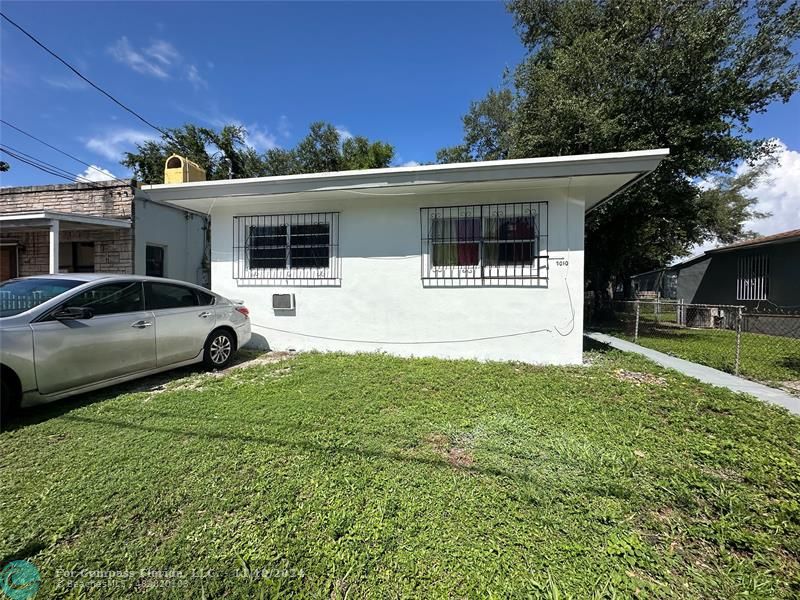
367	476
772	359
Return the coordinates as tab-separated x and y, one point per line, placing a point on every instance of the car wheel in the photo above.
219	349
9	403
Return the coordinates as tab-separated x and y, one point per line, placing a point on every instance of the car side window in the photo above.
159	296
205	298
111	298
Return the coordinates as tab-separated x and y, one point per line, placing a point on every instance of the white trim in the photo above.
142	195
47	217
289	272
54	245
414	179
752	281
487	165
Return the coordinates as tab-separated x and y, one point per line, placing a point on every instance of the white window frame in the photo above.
752	277
535	272
243	227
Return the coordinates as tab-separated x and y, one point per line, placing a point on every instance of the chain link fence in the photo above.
764	346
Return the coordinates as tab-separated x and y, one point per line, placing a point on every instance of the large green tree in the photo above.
224	153
603	76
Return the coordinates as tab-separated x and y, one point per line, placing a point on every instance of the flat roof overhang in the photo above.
66	221
755	244
597	177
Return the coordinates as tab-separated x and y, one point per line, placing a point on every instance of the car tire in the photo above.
219	349
9	402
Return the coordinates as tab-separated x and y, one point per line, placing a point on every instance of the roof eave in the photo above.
639	163
754	244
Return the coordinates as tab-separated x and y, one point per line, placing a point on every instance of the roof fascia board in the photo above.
70	217
754	244
573	166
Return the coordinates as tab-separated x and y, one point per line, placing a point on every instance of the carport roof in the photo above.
598	176
44	218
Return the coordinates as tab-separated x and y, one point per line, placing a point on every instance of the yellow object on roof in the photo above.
179	169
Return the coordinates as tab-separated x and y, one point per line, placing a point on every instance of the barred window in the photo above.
752	281
504	244
286	247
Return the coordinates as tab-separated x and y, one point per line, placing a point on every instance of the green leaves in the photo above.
614	76
225	154
330	475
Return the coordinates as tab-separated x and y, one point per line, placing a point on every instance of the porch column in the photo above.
54	246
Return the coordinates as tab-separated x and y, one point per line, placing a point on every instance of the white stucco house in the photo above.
472	260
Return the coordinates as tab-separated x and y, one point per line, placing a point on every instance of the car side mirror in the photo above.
71	313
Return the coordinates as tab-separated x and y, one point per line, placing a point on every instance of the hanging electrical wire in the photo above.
46	166
59	150
163	132
33	164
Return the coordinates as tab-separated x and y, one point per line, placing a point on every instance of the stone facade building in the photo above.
104	227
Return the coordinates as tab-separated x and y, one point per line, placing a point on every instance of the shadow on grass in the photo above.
303	445
43	412
792	363
590	345
30	549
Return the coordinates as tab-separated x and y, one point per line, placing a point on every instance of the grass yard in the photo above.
367	476
771	359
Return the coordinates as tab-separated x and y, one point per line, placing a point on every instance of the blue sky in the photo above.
398	71
402	72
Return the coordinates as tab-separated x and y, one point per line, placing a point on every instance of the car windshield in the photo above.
19	295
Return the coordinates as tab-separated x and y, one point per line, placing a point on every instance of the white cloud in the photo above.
410	163
193	76
160	59
260	138
343	132
778	192
123	52
65	83
95	173
284	127
112	144
163	52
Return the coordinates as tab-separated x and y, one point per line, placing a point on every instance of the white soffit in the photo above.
596	176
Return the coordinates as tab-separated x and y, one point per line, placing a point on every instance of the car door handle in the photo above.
142	324
204	314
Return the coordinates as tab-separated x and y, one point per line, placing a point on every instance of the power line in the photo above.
45	166
409	343
87	80
41	141
33	164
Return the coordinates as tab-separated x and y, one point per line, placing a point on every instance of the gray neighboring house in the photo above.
103	227
762	273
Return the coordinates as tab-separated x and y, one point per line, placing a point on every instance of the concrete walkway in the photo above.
703	373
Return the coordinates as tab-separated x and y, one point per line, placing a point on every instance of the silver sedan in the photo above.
62	335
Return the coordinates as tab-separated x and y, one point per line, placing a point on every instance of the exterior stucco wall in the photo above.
182	234
784	279
381	303
690	278
713	280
